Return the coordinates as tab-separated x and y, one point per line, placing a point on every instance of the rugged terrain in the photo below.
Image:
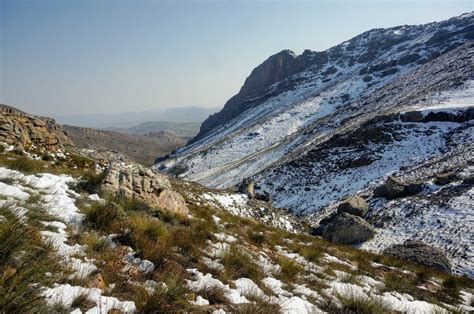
144	148
86	231
316	128
185	130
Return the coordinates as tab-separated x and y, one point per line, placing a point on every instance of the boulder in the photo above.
265	196
172	201
445	178
247	186
354	205
421	253
147	185
345	228
394	188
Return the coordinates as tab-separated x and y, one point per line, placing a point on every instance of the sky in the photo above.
85	57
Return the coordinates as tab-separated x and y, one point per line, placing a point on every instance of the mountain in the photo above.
184	130
85	231
316	128
142	148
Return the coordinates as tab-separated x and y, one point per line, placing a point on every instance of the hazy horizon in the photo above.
90	57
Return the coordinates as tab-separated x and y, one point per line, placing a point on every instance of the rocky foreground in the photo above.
84	231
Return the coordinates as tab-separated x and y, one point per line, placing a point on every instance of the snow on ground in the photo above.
56	197
452	101
66	294
453	224
200	282
238	204
324	184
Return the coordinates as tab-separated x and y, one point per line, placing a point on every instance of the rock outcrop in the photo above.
345	228
354	205
394	188
247	186
421	253
147	185
24	130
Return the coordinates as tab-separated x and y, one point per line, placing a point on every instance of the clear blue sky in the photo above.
70	57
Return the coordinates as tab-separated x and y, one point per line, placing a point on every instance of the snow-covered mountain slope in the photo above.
323	94
339	122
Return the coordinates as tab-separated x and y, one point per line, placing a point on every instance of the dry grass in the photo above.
24	262
240	264
167	298
289	269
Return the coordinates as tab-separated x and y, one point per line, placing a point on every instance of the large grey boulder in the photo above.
345	228
147	185
421	253
354	205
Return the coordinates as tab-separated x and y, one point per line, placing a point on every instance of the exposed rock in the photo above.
347	229
354	205
419	252
445	178
265	196
172	201
135	181
247	186
394	188
24	130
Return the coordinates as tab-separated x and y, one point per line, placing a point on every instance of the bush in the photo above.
24	262
91	181
147	226
25	165
289	268
101	216
350	303
168	298
239	264
214	294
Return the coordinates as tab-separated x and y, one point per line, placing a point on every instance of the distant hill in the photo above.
129	119
143	148
184	130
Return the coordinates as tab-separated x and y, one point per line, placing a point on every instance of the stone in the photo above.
395	188
354	205
345	228
445	178
264	196
172	201
421	253
134	181
247	186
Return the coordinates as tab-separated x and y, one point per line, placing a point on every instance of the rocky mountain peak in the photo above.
271	71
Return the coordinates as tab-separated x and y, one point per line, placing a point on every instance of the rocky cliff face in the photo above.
24	130
284	71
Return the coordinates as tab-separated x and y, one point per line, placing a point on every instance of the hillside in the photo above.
143	148
84	234
183	130
317	128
